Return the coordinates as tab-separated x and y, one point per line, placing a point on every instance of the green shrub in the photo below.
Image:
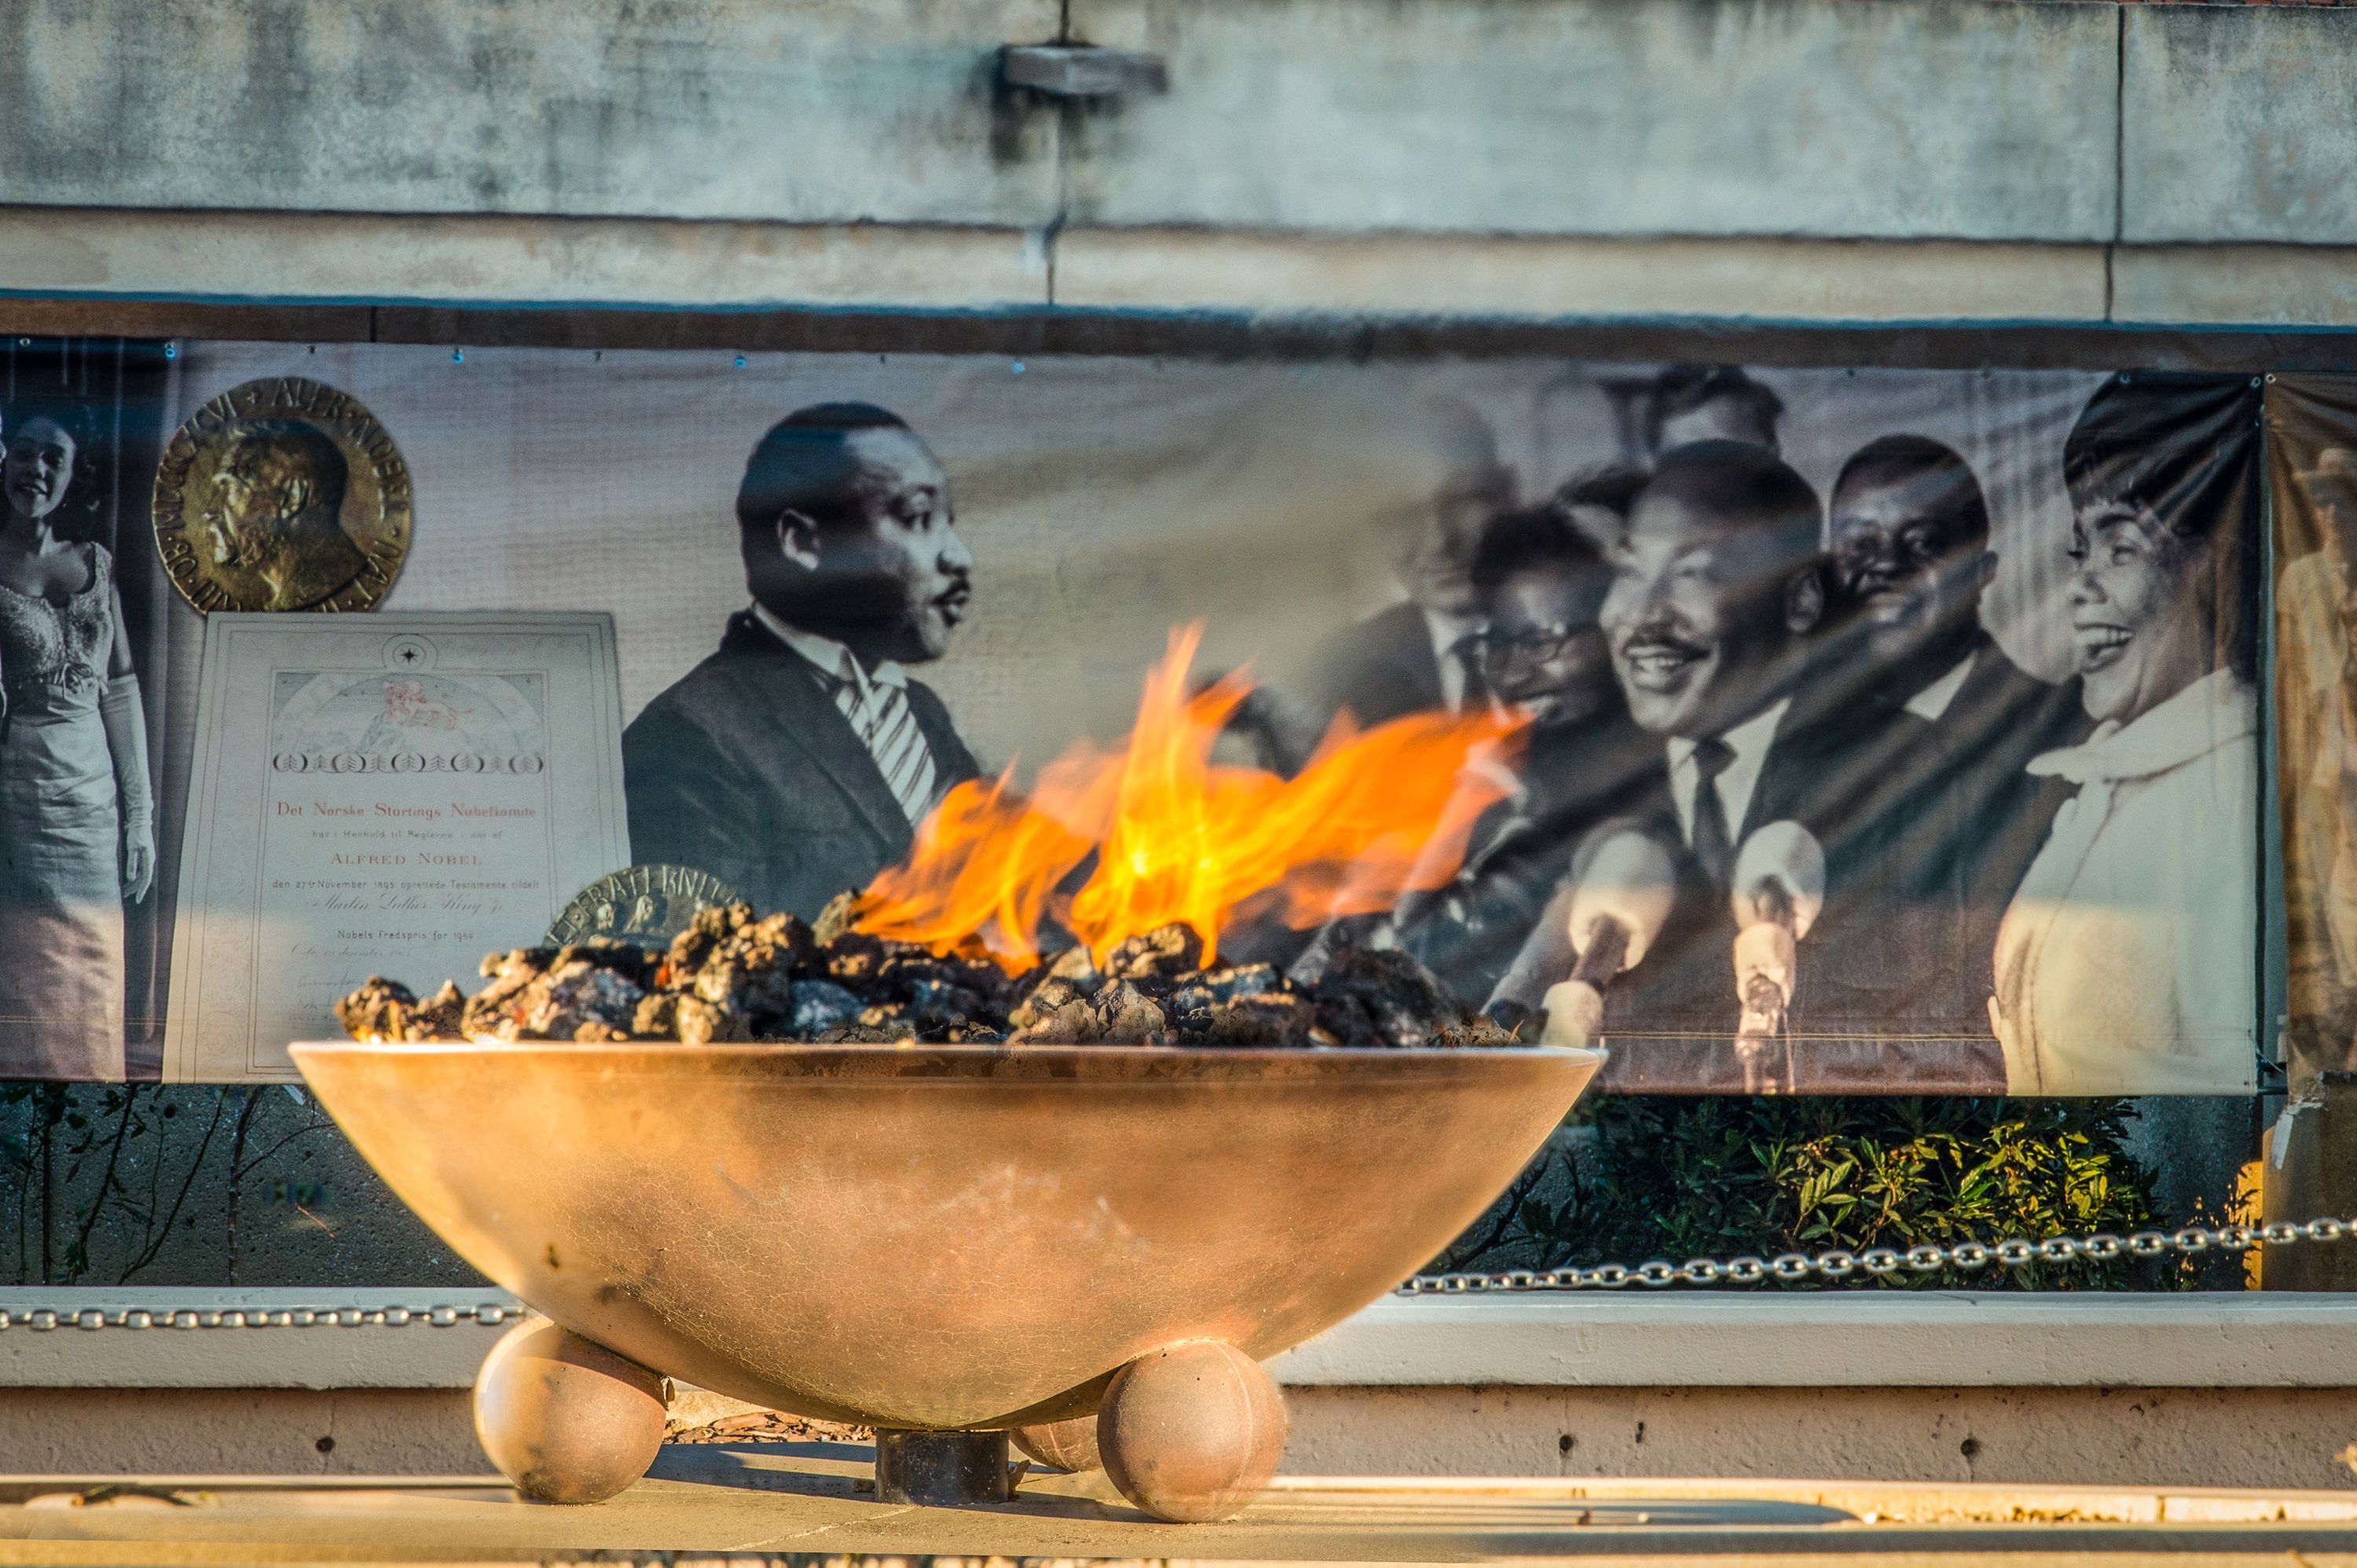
1675	1178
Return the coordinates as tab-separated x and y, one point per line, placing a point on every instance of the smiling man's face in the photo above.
1694	618
1913	570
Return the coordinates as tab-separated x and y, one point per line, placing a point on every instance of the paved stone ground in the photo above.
805	1503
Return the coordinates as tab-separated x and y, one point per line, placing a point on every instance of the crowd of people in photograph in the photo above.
2027	886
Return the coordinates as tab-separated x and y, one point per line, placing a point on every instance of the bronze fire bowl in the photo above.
940	1237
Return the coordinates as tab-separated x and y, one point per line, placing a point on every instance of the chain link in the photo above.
1969	1256
1790	1267
490	1315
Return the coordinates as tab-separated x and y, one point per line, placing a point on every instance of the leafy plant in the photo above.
1676	1178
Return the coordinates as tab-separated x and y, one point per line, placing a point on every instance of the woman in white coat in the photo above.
2127	963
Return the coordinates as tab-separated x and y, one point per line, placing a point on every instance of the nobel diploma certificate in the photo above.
384	794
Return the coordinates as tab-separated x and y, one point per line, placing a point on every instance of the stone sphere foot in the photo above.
1067	1445
566	1421
1192	1432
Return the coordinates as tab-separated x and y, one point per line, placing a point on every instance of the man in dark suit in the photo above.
1911	540
795	762
1718	589
1424	653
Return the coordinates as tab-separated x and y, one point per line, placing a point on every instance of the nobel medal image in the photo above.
281	494
645	905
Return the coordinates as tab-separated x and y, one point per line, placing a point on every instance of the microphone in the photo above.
1778	892
1623	884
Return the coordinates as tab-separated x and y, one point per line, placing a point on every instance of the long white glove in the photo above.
126	738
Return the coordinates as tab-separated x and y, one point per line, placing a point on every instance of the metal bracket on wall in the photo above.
1081	70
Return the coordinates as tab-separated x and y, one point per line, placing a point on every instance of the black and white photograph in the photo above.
798	759
1780	730
83	645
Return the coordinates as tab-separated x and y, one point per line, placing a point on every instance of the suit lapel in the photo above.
789	691
1772	793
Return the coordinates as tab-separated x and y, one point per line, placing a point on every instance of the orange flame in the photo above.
1179	838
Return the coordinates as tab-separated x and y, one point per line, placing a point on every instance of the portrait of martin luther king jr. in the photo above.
278	502
1717	597
796	761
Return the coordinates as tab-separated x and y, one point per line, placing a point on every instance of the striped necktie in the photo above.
880	714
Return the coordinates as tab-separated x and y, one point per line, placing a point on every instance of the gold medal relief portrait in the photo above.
281	494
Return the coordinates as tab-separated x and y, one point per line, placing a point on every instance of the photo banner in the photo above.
2313	485
1873	731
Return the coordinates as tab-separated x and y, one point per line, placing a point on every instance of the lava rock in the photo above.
834	920
1126	1015
1162	953
820	1005
1050	996
657	1017
385	1009
733	975
699	1022
574	996
1265	1018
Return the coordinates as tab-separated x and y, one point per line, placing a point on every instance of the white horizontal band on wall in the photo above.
1679	1339
83	252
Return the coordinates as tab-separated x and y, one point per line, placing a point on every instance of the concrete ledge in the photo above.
332	259
295	1432
2236	1390
2041	1436
1688	1339
1537	278
1848	1340
2254	285
501	260
2046	1437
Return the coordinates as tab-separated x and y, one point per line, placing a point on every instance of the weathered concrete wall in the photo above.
2208	1438
1965	120
1815	160
239	1432
2238	124
2143	1438
794	110
1602	117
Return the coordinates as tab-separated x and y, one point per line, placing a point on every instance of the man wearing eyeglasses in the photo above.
1541	581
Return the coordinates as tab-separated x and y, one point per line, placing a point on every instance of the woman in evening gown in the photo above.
76	816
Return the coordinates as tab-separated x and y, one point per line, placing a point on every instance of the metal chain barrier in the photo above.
1876	1261
1790	1268
490	1315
